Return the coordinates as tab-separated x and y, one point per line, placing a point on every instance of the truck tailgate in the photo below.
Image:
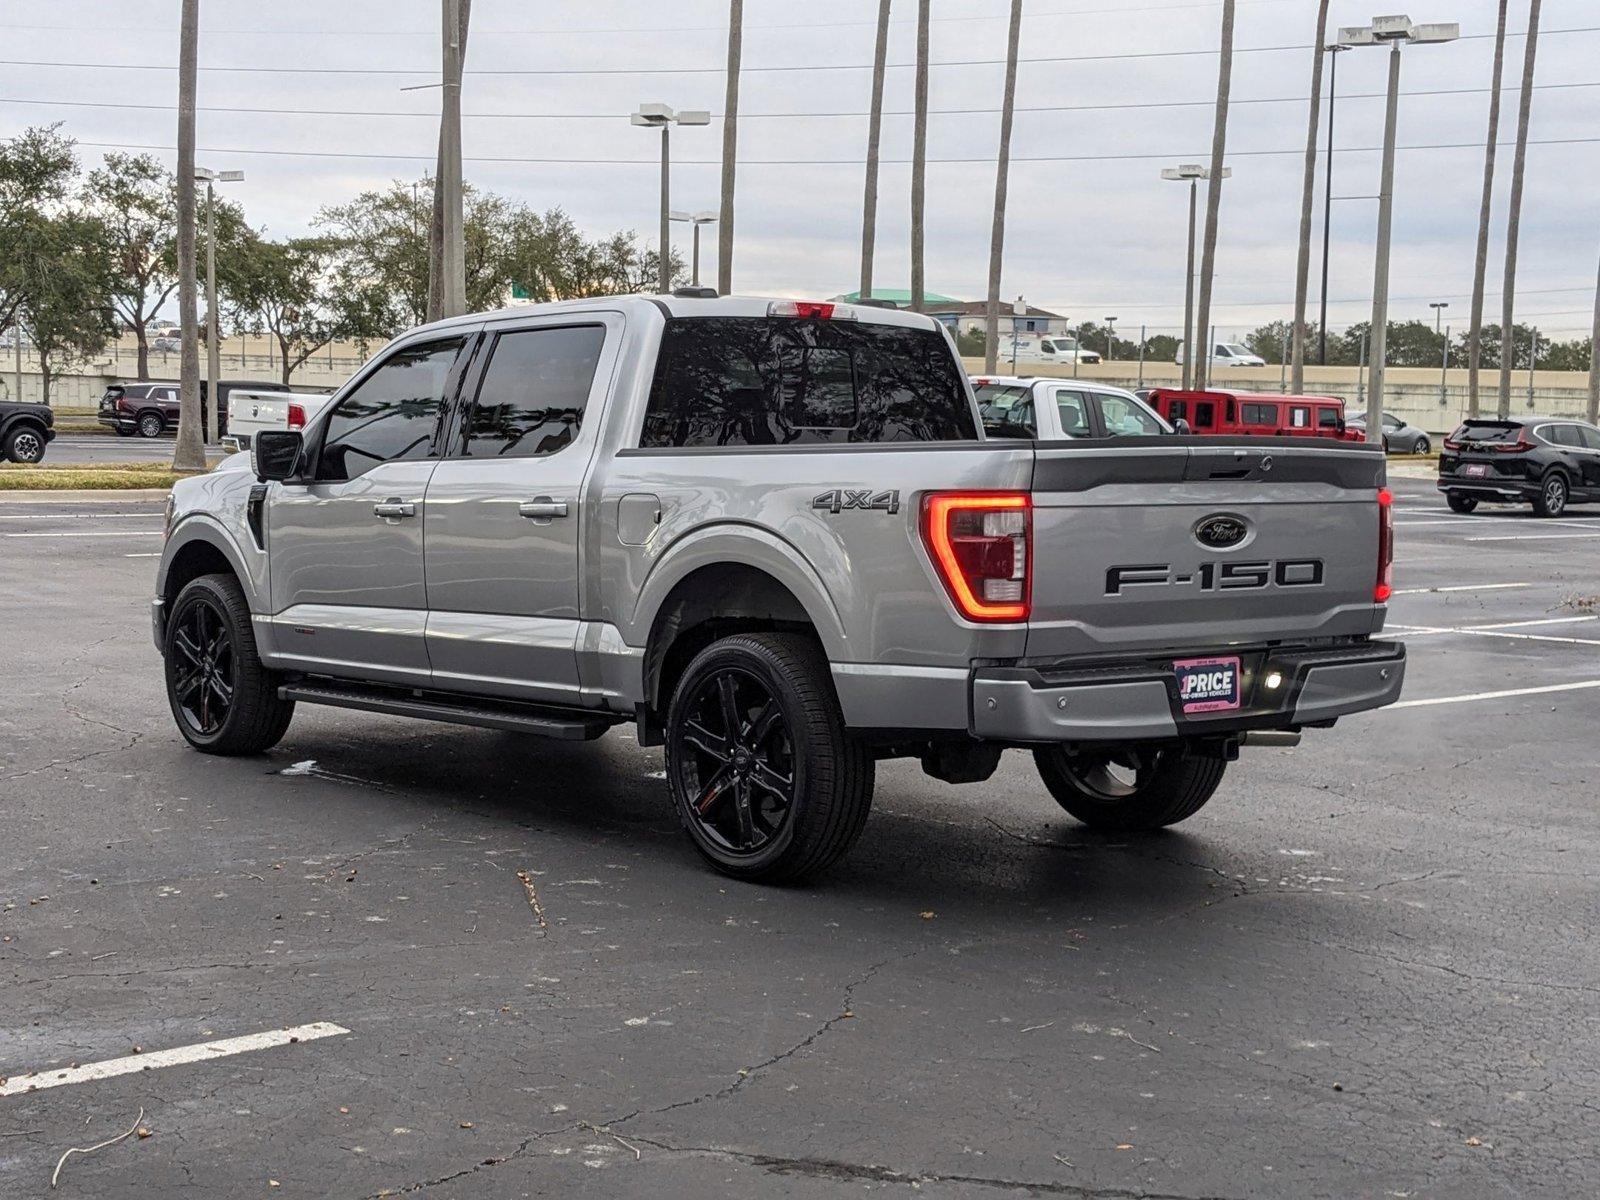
1175	545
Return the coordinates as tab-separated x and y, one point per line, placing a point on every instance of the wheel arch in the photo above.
197	548
728	583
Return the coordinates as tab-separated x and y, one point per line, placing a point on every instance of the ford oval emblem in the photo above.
1221	531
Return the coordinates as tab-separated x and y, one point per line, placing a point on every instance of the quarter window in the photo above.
1589	436
392	414
1327	418
531	400
1260	414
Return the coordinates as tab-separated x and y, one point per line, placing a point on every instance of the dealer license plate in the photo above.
1475	470
1207	685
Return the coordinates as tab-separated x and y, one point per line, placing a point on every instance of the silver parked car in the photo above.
1398	436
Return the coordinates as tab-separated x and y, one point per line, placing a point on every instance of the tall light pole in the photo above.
1193	173
697	219
1333	51
213	350
730	147
919	155
1393	32
1111	337
661	116
1438	307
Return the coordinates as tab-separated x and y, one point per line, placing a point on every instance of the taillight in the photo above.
1385	586
1517	447
1451	444
981	543
297	416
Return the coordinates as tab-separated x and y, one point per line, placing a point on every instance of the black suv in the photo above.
25	430
1544	461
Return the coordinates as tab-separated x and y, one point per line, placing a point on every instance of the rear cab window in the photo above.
781	381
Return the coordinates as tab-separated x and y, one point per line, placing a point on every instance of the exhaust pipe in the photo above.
1270	737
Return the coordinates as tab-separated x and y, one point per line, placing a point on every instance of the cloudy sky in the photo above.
1122	88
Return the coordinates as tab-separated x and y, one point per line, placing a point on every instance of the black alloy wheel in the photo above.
203	667
740	768
1552	500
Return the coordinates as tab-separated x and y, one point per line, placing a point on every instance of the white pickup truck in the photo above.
249	412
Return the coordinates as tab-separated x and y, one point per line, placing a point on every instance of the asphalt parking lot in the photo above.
1368	968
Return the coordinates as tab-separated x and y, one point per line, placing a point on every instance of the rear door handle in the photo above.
394	509
542	509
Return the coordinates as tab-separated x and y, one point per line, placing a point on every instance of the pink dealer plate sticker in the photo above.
1207	685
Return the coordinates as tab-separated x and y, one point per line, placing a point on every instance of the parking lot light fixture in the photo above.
662	117
697	219
1393	32
1111	337
1191	173
213	421
1438	307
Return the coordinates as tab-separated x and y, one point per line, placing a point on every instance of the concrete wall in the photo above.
83	387
1412	393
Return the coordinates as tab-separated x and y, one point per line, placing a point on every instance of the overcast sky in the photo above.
1094	233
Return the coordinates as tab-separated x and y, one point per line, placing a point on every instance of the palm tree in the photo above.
869	205
1208	256
190	452
1308	187
435	308
919	157
1485	208
997	235
1514	221
730	145
1594	362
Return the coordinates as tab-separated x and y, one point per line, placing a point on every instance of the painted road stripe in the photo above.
1499	625
1463	587
91	533
1407	635
1585	685
1535	537
127	516
144	554
133	1063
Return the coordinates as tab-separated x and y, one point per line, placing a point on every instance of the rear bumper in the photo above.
1490	488
114	421
1138	701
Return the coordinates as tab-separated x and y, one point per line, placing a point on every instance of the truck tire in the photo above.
1460	503
223	698
767	783
1130	790
24	444
1552	498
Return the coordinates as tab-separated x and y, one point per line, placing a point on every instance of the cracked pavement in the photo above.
1368	968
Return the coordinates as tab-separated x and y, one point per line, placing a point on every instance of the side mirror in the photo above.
276	454
1181	427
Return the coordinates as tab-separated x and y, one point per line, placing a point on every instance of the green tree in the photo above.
1270	341
37	168
1567	356
289	290
1489	350
970	343
66	269
1161	347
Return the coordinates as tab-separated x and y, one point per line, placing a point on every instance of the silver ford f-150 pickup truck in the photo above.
773	535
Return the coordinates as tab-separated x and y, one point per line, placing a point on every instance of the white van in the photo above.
1045	348
1228	354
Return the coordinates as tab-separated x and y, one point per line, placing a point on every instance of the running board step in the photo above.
573	727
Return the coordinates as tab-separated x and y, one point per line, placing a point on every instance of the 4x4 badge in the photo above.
839	499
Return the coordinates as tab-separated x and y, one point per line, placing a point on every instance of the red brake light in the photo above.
1517	447
982	545
297	416
1385	585
1451	444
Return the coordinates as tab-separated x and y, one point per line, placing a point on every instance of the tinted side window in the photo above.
753	381
392	415
1327	418
1260	414
531	399
1589	436
1205	414
1177	409
1561	435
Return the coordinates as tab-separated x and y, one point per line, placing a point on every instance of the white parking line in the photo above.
128	516
1585	685
133	1063
91	533
1534	537
1463	587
